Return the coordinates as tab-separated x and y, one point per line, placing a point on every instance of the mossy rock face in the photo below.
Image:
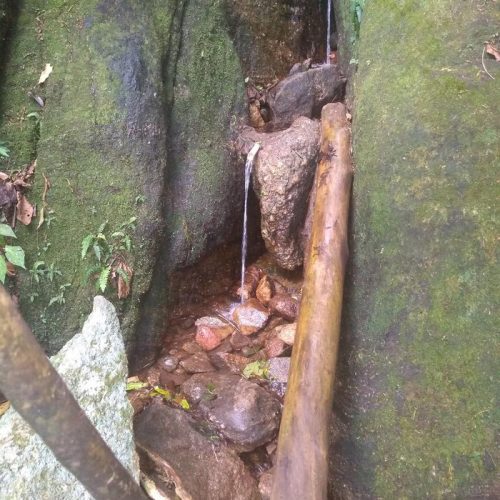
417	400
136	123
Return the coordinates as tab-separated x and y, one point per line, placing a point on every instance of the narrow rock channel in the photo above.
219	383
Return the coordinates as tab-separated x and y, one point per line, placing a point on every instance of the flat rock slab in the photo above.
243	412
173	450
94	366
305	93
282	178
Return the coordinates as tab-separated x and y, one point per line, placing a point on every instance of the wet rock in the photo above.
285	306
191	347
304	93
151	375
168	363
197	363
232	362
173	450
94	366
300	67
286	332
275	347
266	485
244	412
207	339
282	179
253	275
179	353
171	381
251	316
217	325
264	290
238	341
278	369
211	331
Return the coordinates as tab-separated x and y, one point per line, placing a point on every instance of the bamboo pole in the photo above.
301	470
41	397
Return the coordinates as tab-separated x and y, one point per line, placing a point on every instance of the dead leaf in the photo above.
493	51
120	270
4	176
45	73
25	210
4	407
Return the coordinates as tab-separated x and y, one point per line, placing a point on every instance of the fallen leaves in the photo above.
492	50
45	73
13	203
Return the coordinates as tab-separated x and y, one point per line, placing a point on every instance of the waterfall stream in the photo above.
248	173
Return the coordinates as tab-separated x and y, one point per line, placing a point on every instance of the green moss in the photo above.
88	149
424	258
207	98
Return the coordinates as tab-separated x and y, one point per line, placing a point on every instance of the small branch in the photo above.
484	66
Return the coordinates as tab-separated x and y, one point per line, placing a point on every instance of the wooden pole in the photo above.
41	397
301	470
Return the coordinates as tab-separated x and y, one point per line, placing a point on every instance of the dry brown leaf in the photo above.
123	286
45	73
4	176
493	51
25	210
4	407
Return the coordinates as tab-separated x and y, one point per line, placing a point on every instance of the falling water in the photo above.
248	172
328	29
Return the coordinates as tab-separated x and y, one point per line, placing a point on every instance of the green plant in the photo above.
110	255
11	256
40	270
4	150
59	298
257	369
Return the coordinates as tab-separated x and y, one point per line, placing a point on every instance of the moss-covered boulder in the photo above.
133	104
417	400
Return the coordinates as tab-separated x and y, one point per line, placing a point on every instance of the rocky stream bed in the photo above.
210	406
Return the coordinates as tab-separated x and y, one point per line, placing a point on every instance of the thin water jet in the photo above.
244	241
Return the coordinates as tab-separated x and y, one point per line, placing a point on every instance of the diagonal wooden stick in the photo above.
41	397
301	470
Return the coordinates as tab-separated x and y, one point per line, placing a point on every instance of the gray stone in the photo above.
242	411
278	369
251	316
172	450
282	179
286	332
94	366
197	363
304	93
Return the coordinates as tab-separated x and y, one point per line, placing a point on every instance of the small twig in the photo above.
228	321
484	66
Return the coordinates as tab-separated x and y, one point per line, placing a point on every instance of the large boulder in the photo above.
282	178
419	358
304	93
137	117
94	366
173	450
241	410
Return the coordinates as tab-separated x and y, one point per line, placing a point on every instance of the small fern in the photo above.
103	278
